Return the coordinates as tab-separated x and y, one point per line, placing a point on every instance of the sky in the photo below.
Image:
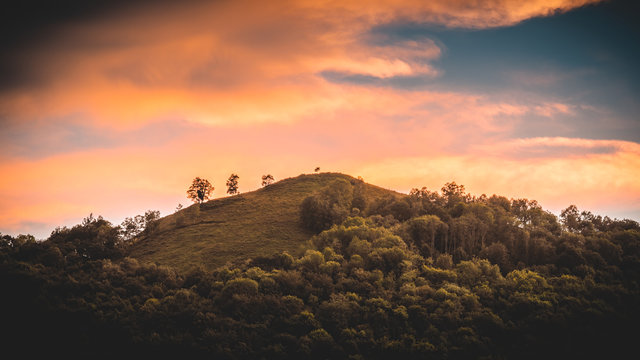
113	107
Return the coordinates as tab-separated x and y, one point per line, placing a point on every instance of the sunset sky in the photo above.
112	109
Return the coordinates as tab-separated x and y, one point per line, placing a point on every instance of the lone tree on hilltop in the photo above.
317	169
200	190
267	180
232	184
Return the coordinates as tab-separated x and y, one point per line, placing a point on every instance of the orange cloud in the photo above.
402	126
236	62
250	77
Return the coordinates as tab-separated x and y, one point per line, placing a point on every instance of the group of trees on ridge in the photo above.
201	189
440	275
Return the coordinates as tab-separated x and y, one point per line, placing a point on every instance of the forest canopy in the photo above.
429	275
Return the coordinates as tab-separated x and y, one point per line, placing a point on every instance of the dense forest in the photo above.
432	275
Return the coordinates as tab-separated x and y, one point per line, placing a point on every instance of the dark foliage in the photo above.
330	206
429	276
232	184
200	190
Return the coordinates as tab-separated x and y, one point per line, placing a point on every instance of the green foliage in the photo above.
329	206
241	287
444	261
427	233
461	277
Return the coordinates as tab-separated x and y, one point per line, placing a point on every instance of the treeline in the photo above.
511	233
429	276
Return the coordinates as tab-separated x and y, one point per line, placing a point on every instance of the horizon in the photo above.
112	109
46	233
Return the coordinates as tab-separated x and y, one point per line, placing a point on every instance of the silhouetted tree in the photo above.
317	169
232	184
267	180
151	218
454	193
570	218
200	190
132	227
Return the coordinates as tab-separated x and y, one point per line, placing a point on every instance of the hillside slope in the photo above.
232	229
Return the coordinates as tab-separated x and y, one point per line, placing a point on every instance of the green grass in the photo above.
236	228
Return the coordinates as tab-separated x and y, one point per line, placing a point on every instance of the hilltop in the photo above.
236	228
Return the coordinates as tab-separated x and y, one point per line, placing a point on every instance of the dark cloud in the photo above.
341	77
585	56
409	82
29	24
596	36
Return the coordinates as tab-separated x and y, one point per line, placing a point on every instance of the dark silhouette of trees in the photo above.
500	279
200	190
454	194
151	218
147	223
317	169
232	184
267	180
131	227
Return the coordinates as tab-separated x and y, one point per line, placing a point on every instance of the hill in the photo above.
232	229
430	275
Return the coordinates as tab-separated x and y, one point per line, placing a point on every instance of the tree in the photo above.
232	184
424	230
454	193
151	218
329	206
267	180
200	190
132	227
317	169
570	218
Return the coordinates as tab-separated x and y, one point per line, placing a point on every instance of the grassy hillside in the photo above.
236	228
